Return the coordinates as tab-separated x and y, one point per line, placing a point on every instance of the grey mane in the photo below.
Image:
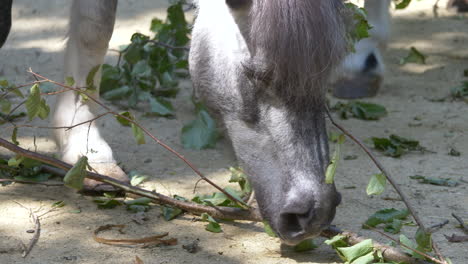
301	42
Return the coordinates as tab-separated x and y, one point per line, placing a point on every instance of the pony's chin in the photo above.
296	239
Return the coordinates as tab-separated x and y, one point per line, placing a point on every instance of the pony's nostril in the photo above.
370	63
338	198
294	224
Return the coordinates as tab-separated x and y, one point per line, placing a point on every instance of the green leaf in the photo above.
409	243
37	177
161	107
361	249
424	240
395	146
376	184
217	199
238	175
212	226
138	205
69	81
337	241
119	93
435	181
123	121
454	152
414	56
59	204
76	175
385	216
331	169
305	245
402	4
366	259
170	213
17	92
268	229
360	110
394	227
136	178
105	203
110	78
138	134
5	106
33	103
4	83
15	161
14	136
44	109
156	25
367	111
460	91
360	25
200	133
90	78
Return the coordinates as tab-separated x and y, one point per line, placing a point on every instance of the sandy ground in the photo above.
37	40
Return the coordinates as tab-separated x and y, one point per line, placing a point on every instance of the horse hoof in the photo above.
357	87
107	169
460	6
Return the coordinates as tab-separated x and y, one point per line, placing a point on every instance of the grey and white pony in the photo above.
263	67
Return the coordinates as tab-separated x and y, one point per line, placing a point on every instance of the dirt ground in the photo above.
37	40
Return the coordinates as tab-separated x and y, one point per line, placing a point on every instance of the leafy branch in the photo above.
138	130
392	181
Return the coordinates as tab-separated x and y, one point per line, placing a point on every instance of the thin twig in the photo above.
61	127
157	140
37	230
437	226
32	182
461	222
390	179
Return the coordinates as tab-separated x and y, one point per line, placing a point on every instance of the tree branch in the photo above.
390	179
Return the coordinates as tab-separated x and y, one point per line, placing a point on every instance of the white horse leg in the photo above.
91	26
362	71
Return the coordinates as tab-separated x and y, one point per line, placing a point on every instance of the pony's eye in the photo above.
235	4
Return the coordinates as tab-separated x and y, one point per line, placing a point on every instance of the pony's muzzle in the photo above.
302	218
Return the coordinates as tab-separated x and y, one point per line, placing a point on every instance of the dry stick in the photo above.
37	231
389	253
390	179
217	212
195	169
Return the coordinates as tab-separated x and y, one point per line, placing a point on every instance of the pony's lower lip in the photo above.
294	239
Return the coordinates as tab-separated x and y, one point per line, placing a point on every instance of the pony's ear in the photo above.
236	4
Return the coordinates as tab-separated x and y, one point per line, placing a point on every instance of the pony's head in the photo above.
263	65
281	138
